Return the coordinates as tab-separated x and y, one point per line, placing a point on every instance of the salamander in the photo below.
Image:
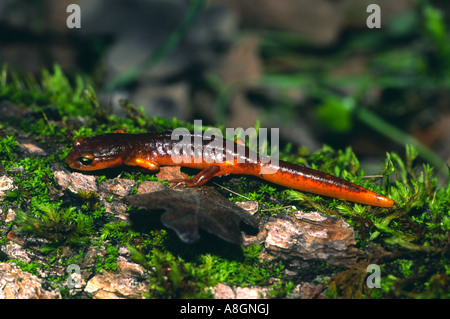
152	150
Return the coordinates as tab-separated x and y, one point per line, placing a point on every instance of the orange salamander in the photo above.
152	150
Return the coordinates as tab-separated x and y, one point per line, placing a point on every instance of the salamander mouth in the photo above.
86	162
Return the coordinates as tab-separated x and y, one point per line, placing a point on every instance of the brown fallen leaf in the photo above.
188	209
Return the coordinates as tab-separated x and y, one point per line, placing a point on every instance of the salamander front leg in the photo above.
147	164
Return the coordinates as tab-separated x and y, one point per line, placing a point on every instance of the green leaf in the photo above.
335	114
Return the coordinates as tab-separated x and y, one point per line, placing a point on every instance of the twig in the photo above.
231	191
278	208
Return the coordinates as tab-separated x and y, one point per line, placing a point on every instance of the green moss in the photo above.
31	267
8	146
53	88
62	227
173	277
109	260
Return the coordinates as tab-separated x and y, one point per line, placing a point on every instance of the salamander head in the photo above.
94	153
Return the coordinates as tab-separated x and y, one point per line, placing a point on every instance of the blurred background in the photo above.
312	68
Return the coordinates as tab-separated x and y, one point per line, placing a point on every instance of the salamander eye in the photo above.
86	159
